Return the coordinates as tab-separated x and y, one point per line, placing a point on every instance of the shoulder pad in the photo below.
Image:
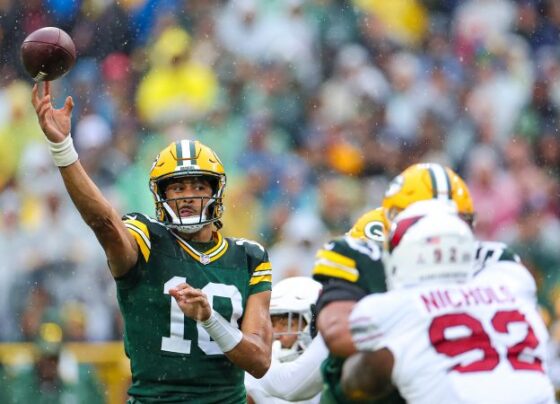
143	229
252	248
341	258
489	252
257	257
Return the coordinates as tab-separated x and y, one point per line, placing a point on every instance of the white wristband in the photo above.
63	153
226	336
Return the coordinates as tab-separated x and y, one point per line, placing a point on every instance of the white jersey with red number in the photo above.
478	342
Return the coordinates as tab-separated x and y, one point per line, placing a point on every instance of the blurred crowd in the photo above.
312	105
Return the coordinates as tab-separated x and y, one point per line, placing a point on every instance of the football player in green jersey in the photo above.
349	268
195	304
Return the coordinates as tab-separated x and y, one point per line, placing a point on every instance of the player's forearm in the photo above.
299	379
88	199
367	375
356	380
101	217
252	354
333	326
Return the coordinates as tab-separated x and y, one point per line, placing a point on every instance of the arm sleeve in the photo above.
299	379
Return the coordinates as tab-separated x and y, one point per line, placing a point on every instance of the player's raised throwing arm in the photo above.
118	243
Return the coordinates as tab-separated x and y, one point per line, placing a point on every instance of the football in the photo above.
48	53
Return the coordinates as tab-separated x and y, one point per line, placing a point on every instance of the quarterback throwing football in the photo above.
195	304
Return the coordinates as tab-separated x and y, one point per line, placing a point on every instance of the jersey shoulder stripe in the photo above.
345	258
141	234
335	265
259	266
262	273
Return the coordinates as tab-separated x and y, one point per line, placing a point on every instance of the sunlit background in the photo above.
312	105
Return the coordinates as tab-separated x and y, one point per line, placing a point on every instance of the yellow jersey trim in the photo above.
263	266
208	256
258	279
142	236
335	272
336	258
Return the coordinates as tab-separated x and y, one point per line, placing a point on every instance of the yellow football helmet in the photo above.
428	181
371	225
188	158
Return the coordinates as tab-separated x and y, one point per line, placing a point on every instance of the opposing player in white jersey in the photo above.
430	181
294	374
441	334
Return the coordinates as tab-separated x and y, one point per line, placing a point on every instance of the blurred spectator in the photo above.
404	20
294	253
497	197
56	376
536	237
176	87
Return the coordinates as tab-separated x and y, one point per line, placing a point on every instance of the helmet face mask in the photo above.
290	310
294	332
188	224
188	159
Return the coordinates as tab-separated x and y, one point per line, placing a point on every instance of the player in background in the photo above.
341	291
195	304
441	334
426	181
349	268
297	354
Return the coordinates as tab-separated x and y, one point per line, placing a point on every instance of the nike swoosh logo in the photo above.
329	246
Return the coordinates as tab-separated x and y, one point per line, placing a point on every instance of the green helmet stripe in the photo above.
434	183
192	148
179	147
448	184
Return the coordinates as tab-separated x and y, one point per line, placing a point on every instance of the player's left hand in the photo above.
55	123
193	302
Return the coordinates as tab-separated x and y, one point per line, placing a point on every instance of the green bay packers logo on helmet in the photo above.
182	159
372	225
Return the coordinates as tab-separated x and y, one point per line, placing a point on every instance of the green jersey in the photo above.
349	268
172	357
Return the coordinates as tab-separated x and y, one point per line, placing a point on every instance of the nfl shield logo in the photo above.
204	259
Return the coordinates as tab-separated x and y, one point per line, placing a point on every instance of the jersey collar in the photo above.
208	256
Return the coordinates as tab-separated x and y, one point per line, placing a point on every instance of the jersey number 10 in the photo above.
176	342
479	340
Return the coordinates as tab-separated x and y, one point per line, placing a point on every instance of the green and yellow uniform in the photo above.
349	269
173	359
